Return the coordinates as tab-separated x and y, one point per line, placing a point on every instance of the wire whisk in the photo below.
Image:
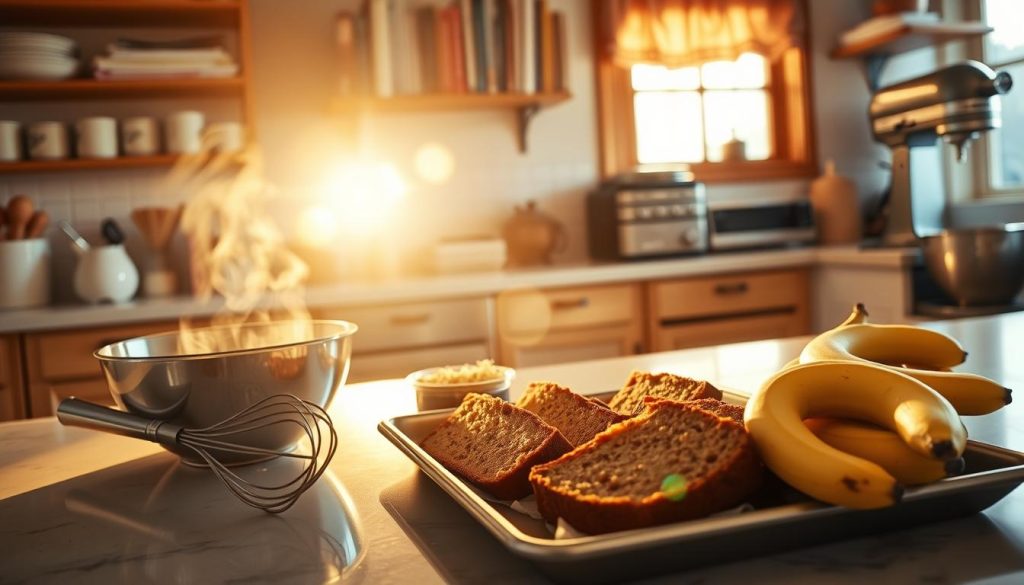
280	415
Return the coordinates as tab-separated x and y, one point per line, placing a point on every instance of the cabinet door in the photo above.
731	308
398	364
60	362
569	324
12	394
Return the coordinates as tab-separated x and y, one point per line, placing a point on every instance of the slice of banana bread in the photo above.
722	409
494	444
577	417
630	398
672	462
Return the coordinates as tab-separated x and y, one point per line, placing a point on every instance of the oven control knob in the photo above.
689	237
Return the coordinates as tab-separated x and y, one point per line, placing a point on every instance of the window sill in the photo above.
746	171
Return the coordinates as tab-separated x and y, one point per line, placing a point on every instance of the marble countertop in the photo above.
84	507
425	288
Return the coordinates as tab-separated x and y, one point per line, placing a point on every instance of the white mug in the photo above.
140	136
97	137
224	137
184	131
47	141
10	144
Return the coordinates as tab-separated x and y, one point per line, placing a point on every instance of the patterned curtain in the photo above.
678	33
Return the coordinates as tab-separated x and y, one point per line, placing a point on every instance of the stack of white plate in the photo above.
36	56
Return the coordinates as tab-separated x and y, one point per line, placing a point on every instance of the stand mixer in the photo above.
956	103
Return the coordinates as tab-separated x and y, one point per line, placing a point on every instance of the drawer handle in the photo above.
410	320
567	304
732	288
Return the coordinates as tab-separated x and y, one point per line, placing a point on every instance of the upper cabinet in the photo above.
463	55
102	22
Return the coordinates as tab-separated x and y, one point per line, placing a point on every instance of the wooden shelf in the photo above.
202	13
912	37
526	105
116	88
87	164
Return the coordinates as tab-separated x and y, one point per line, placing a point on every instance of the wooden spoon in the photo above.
37	225
19	212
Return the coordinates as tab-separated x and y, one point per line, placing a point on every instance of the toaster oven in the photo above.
738	225
647	215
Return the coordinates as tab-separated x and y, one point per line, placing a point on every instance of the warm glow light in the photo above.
317	226
434	163
364	196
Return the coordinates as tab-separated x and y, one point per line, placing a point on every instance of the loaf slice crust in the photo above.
494	444
722	409
618	480
577	417
629	399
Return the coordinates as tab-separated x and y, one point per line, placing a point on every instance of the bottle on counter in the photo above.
836	207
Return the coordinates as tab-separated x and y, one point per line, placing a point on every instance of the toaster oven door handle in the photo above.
410	320
566	304
731	288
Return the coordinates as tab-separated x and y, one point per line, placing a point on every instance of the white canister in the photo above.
10	141
96	137
47	141
106	273
224	137
24	273
140	136
184	132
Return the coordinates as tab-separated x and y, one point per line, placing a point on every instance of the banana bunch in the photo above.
926	355
914	415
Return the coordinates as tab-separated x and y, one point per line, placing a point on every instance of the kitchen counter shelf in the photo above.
525	105
86	164
201	13
106	89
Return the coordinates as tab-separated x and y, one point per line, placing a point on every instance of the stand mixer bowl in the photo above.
202	376
977	266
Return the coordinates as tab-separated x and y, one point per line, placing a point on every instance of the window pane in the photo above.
1007	160
1005	43
745	112
668	127
749	71
646	77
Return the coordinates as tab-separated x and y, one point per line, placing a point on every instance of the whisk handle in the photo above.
79	413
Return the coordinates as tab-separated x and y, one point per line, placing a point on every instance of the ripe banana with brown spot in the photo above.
775	414
885	448
922	353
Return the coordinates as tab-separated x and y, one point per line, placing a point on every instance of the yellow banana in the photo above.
857	316
922	353
885	448
774	418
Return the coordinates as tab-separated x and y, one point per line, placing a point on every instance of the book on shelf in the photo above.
409	47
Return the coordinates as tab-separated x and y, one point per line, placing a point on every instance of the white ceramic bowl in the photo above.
29	66
37	41
436	396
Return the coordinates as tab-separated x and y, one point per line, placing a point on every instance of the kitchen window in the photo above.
744	118
999	157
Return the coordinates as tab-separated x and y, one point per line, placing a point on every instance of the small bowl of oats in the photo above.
446	386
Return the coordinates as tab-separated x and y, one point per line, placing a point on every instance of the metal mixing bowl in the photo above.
205	375
977	266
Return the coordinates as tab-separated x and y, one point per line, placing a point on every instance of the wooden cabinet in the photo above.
540	327
12	397
395	340
699	311
60	364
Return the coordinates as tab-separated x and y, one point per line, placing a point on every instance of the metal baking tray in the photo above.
991	474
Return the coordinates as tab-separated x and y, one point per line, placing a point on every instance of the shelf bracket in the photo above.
873	67
524	116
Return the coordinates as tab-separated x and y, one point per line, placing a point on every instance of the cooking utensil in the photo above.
19	212
977	266
37	225
76	238
227	436
198	377
157	224
111	232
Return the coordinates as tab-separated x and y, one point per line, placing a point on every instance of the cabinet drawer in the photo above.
415	325
566	308
784	323
12	397
736	294
398	364
67	355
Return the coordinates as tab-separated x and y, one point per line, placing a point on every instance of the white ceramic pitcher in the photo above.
105	273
